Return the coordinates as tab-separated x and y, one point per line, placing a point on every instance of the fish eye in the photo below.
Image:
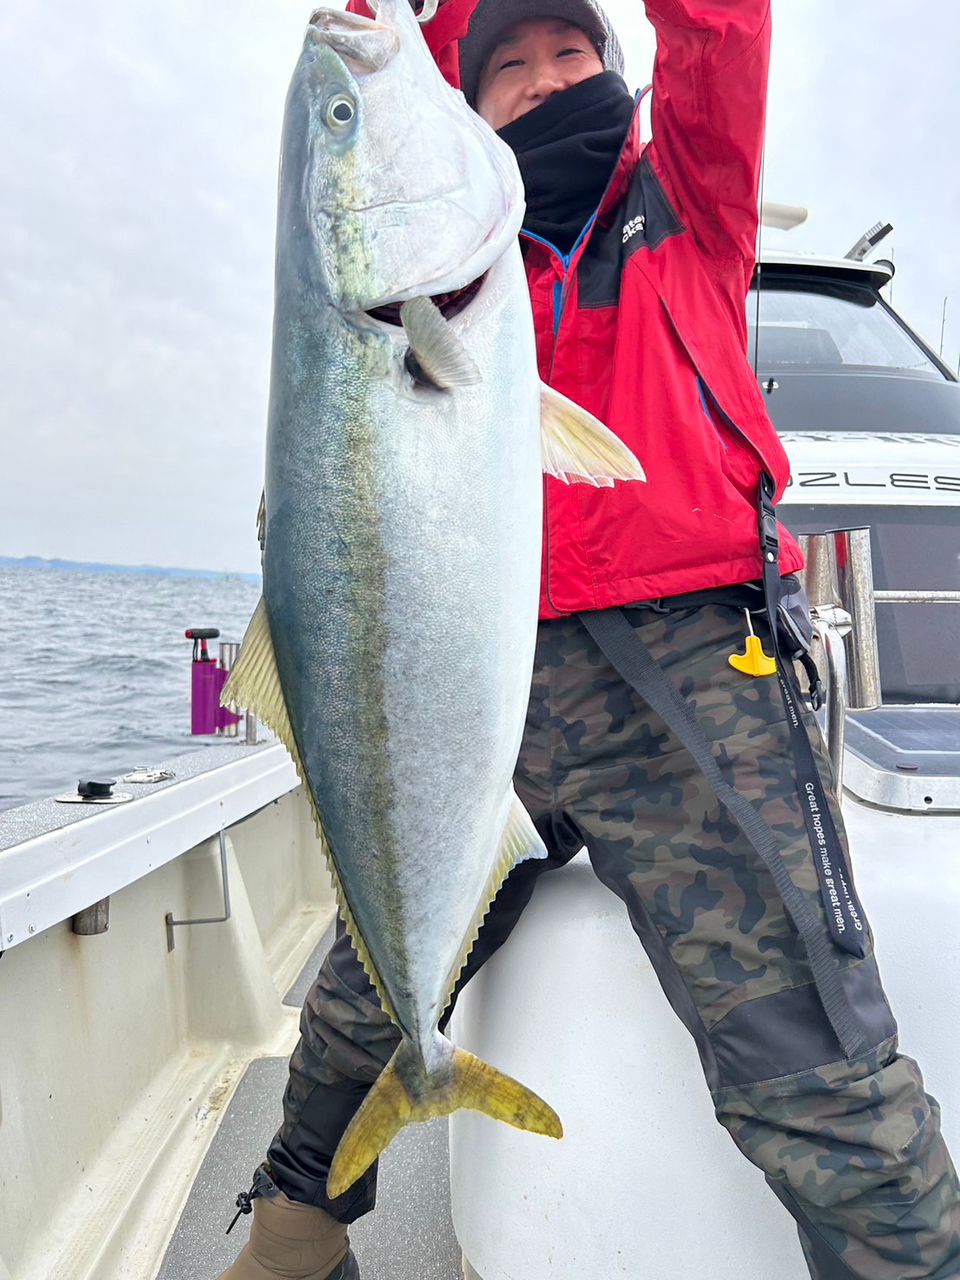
340	112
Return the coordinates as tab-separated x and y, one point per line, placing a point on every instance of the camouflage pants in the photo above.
851	1146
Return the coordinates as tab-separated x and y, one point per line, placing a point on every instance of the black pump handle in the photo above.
96	787
201	633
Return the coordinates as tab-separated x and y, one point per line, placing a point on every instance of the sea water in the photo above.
95	671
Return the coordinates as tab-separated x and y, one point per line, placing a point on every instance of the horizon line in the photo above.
62	562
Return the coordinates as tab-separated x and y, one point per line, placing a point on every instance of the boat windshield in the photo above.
825	326
914	549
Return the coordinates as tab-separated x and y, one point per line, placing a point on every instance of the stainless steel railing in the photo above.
917	597
839	583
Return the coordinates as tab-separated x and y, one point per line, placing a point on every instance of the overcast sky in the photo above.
137	185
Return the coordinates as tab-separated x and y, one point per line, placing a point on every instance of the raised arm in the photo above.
442	33
708	113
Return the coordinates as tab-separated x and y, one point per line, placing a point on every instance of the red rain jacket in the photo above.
645	324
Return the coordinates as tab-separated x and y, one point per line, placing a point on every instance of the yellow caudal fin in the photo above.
577	448
404	1094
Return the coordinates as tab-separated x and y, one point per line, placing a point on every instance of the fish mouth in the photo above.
448	304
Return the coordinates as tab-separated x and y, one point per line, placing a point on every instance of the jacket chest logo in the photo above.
642	221
634	227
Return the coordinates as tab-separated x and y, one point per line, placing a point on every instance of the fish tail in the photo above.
406	1094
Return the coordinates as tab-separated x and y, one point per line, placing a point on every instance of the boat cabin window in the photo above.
830	327
914	549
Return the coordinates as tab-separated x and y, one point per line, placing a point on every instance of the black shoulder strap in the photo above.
844	913
612	631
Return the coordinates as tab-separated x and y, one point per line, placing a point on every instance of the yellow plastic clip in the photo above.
754	662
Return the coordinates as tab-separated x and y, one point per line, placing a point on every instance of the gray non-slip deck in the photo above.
408	1237
298	992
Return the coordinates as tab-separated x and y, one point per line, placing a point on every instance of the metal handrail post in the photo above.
854	563
819	577
229	653
819	580
831	626
826	580
835	649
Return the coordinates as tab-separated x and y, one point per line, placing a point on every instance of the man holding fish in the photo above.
697	784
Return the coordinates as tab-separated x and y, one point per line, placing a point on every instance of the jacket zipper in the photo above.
703	392
560	298
559	286
728	421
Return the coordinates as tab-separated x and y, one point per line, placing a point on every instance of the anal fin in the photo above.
520	839
518	842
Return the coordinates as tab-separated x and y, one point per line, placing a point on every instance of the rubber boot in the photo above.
289	1240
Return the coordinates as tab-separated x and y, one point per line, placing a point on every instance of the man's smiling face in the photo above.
531	62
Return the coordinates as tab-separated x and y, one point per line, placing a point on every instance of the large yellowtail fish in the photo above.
393	648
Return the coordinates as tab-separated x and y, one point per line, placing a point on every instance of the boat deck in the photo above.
409	1236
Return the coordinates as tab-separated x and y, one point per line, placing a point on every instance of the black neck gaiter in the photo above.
567	149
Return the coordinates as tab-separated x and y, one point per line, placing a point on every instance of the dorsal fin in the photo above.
254	683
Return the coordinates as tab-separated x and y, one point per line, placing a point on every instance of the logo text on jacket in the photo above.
633	227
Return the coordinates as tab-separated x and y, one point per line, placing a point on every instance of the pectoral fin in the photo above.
576	447
441	360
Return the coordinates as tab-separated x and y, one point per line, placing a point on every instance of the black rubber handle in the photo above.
201	633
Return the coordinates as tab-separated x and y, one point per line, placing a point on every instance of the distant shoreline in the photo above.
88	566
